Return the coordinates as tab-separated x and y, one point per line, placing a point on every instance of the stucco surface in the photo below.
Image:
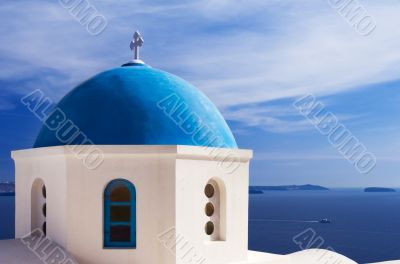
13	251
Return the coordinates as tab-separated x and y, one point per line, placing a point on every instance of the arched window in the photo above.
120	215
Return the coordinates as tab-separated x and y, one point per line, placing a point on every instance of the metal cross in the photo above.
136	42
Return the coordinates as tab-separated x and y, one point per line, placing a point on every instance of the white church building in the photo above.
136	165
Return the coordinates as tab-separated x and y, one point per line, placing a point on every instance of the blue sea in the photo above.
7	212
365	226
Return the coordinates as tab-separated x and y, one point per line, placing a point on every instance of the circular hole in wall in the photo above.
209	228
209	209
44	191
209	190
44	209
44	228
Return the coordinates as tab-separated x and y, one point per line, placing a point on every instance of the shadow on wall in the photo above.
38	205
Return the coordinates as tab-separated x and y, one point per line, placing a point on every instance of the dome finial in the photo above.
136	43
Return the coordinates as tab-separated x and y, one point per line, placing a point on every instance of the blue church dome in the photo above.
137	105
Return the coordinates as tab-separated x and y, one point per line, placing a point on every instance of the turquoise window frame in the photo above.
107	214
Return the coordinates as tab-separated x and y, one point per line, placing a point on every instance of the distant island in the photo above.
7	188
307	187
252	190
379	189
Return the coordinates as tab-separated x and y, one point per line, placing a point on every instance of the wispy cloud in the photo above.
238	52
6	105
252	58
273	156
278	117
318	53
269	118
306	156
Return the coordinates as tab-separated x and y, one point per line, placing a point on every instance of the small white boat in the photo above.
325	221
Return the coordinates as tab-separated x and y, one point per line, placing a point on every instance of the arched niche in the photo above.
38	205
215	209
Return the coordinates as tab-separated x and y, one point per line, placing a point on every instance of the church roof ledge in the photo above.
180	151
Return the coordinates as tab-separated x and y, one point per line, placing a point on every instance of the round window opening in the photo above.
44	228
209	190
209	209
209	228
44	210
44	191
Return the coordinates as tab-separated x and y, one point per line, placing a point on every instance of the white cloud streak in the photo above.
238	52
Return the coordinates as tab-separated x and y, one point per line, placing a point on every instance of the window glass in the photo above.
120	213
209	228
209	190
44	228
120	194
120	233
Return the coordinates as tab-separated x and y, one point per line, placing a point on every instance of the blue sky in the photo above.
252	58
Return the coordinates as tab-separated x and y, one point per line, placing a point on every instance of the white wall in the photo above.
169	182
48	165
153	176
193	173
